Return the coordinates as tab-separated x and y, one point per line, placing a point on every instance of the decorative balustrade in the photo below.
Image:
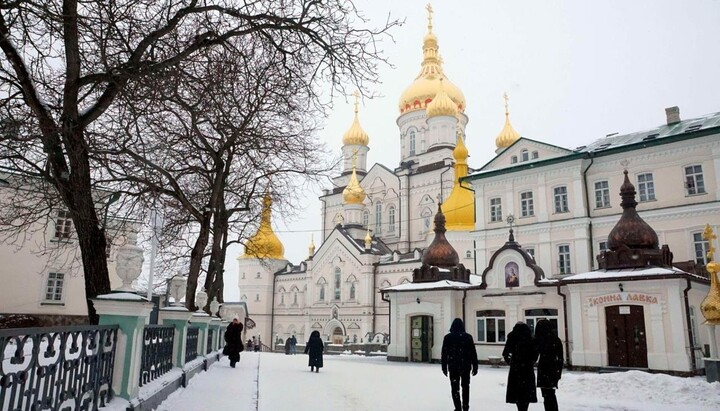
191	344
59	368
209	345
157	352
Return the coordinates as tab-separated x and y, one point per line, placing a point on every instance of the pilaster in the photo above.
177	317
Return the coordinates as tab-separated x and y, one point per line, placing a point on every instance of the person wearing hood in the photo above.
520	353
314	348
233	341
550	363
459	358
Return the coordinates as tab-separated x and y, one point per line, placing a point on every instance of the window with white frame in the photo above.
412	143
352	291
282	298
295	298
535	155
468	254
564	259
525	155
694	181
490	326
513	159
561	199
701	247
496	209
378	218
527	208
257	297
63	225
646	187
530	251
532	316
366	219
322	292
602	194
338	273
602	246
391	219
54	289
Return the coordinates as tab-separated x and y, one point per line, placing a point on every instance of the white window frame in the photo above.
527	206
482	320
700	248
63	225
378	217
564	259
602	194
535	155
353	291
496	210
54	292
322	292
530	251
550	314
257	297
412	142
391	219
694	180
366	218
646	187
600	246
513	160
337	290
560	196
525	155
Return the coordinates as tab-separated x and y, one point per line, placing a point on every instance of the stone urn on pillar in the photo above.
178	286
201	299
129	262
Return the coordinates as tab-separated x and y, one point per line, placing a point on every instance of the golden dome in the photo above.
459	208
353	193
428	83
710	307
311	247
368	240
355	134
264	244
508	135
442	105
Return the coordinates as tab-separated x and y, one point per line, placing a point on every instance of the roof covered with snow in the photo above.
649	273
475	281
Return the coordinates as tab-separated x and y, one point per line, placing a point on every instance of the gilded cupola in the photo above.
459	208
508	135
353	192
442	104
710	306
428	83
265	244
355	134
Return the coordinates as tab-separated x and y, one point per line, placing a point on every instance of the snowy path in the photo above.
276	382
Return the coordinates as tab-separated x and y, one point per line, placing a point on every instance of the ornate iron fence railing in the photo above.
209	345
157	352
57	368
191	344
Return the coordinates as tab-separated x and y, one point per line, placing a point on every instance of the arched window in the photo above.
366	219
468	254
295	298
322	292
352	291
336	295
412	143
378	218
524	154
391	219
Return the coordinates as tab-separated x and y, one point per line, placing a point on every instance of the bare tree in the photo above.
64	64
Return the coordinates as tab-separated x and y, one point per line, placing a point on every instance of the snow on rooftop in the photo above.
121	297
474	281
630	272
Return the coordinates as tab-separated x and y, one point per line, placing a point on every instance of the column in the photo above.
201	320
215	324
178	317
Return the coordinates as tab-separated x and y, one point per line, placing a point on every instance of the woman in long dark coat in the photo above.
315	347
520	353
233	341
550	363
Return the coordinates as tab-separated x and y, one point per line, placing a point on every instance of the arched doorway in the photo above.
626	339
337	336
421	338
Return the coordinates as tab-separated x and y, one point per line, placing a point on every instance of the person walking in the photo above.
286	346
293	345
550	362
233	341
520	353
459	358
314	348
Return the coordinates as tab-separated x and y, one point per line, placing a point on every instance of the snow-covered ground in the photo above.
276	382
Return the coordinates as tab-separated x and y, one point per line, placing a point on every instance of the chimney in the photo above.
673	115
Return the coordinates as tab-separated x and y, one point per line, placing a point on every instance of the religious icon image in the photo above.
512	272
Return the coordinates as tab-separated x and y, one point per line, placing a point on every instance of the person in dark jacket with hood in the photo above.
550	362
233	341
520	353
314	348
459	358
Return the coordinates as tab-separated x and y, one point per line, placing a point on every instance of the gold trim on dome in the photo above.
710	306
265	244
508	135
355	134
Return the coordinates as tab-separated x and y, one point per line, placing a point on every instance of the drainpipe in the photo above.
323	218
272	313
475	255
389	316
463	303
474	223
689	324
587	210
374	309
407	189
568	360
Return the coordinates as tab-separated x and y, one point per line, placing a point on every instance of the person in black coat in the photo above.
233	341
314	348
550	363
459	358
520	353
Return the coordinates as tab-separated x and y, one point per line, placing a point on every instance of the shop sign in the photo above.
621	298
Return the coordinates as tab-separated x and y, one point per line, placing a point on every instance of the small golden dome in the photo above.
442	104
710	306
428	83
459	208
353	193
508	135
368	240
355	134
265	244
311	247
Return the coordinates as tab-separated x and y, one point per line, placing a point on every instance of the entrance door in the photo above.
337	336
421	340
627	345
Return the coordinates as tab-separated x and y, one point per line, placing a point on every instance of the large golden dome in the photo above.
427	84
507	135
265	244
459	208
353	192
355	134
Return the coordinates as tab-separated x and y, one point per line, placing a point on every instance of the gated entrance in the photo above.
421	340
626	339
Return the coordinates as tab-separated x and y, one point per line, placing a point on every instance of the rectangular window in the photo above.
694	181
602	194
391	219
54	289
337	284
530	251
526	204
525	156
491	326
495	209
646	187
63	225
701	249
257	297
412	143
534	315
378	218
561	199
603	246
564	259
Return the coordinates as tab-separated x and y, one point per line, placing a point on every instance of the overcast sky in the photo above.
575	72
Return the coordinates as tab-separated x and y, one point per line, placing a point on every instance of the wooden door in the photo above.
626	339
421	338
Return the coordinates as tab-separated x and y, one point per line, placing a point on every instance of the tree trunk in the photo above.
215	267
196	257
